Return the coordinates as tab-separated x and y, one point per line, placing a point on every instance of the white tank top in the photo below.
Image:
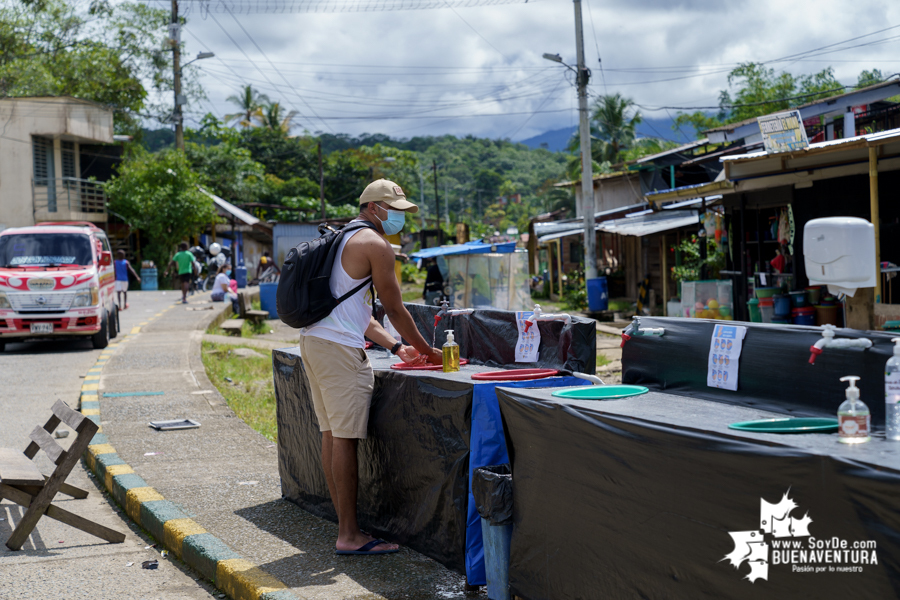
347	324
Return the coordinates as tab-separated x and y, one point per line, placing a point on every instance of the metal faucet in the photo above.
540	316
829	341
634	329
446	311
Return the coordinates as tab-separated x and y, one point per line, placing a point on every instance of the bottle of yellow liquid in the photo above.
451	354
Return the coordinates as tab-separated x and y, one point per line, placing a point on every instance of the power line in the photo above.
279	72
331	6
478	33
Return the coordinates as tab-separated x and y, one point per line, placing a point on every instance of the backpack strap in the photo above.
333	253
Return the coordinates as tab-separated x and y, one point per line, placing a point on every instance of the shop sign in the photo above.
783	132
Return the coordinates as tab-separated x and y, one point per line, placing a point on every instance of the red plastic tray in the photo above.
515	375
402	366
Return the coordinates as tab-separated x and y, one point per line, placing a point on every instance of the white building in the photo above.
50	152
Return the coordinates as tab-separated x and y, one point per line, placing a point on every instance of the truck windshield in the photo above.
44	249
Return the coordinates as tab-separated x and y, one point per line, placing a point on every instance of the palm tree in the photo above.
250	102
272	116
613	129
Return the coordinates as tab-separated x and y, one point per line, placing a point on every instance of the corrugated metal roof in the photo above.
231	209
683	148
650	224
823	147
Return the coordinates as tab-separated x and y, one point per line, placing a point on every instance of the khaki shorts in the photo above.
341	381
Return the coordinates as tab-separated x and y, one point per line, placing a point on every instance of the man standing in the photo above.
184	261
333	350
123	267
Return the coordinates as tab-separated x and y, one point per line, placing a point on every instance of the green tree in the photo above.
158	194
867	78
106	54
250	102
275	119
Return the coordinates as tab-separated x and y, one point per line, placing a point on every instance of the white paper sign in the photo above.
724	355
528	343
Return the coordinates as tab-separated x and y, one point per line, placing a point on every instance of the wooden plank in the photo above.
67	415
50	426
38	506
257	315
54	512
48	445
17	469
232	326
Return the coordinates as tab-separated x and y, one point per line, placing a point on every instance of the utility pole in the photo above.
321	181
175	40
437	201
587	175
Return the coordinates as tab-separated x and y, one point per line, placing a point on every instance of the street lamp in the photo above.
180	99
582	75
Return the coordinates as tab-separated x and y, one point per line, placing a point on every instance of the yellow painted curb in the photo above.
135	330
242	580
175	530
92	378
113	470
137	496
90	411
95	370
90	387
95	451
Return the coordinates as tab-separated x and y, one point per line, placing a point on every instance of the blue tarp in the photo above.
469	248
487	446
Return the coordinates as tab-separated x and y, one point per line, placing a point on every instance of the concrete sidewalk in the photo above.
221	481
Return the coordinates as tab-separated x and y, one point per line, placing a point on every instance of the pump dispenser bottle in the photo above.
451	354
892	394
853	416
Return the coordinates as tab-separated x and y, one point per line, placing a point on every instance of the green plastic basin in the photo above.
797	425
601	392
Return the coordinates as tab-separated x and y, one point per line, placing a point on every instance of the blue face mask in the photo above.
395	221
228	273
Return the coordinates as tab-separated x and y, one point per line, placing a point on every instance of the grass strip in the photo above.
251	391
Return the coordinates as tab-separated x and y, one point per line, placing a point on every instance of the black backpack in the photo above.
304	294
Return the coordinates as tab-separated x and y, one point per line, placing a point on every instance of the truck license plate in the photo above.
42	328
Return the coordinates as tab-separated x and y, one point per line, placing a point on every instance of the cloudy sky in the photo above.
478	69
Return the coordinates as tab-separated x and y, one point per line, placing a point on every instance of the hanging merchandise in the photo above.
793	229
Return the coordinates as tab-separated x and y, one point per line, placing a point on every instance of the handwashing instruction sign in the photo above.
724	355
529	342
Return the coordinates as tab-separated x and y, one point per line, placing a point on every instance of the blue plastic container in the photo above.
149	282
598	297
267	298
782	306
496	558
240	275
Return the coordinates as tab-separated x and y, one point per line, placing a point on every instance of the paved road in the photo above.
58	561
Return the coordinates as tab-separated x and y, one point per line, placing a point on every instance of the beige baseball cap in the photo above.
388	192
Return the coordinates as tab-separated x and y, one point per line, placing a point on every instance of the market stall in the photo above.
427	431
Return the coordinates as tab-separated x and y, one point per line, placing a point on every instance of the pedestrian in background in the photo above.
123	267
184	261
222	287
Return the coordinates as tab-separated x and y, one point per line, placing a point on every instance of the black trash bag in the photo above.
492	488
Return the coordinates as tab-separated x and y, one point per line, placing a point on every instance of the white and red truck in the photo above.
57	280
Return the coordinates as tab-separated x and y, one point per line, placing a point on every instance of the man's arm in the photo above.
381	259
380	336
172	263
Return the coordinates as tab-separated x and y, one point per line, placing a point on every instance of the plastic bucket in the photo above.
804	316
267	297
767	312
798	299
826	315
812	294
240	275
598	296
783	305
149	282
753	309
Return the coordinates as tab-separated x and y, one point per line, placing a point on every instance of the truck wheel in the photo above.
114	324
100	339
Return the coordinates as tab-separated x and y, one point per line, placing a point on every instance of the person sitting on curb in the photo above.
123	267
222	288
341	379
184	261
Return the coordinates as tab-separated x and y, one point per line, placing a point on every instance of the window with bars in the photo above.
68	159
43	160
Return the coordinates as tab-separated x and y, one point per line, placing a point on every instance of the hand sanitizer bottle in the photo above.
853	416
892	394
450	351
